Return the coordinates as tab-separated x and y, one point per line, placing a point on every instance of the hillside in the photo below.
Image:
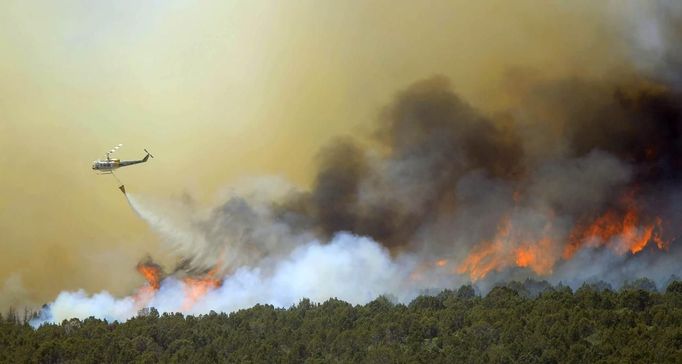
507	325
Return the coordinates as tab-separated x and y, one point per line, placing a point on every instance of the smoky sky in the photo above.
398	121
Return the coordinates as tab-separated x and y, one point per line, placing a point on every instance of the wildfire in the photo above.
509	247
152	273
621	230
534	255
196	288
482	260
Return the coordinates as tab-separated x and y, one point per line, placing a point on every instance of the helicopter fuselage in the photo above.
108	165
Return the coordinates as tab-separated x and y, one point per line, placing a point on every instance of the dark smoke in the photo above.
600	139
637	121
429	138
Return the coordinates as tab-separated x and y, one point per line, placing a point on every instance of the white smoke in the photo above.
80	305
352	268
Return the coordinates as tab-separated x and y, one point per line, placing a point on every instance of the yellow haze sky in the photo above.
221	90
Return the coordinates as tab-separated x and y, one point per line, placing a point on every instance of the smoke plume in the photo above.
576	179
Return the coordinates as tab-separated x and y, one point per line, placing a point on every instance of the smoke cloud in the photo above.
442	195
487	159
349	266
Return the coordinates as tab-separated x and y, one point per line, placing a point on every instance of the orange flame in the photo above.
196	288
534	256
524	257
622	230
482	260
152	273
509	248
512	247
622	234
488	255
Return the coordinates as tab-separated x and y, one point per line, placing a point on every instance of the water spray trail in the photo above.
159	224
177	231
132	206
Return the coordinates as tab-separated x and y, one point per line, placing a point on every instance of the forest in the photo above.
519	322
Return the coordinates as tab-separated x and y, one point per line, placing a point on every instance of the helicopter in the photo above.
107	166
